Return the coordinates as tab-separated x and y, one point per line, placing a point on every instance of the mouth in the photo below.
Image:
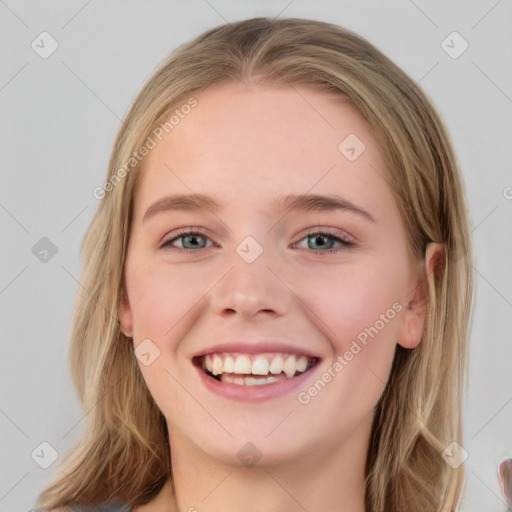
263	369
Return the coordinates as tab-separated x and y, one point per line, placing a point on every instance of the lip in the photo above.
254	393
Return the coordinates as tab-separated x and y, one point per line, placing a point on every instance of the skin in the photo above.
245	146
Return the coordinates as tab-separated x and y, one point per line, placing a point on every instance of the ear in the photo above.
125	315
411	328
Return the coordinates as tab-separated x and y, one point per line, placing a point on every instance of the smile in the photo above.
254	369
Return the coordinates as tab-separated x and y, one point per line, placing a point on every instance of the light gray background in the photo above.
59	117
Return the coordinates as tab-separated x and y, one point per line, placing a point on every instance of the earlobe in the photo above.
411	329
125	316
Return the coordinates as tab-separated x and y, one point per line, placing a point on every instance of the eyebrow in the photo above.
316	202
300	202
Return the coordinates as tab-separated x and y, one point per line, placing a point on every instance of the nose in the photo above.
253	291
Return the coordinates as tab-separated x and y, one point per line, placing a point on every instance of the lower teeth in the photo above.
249	380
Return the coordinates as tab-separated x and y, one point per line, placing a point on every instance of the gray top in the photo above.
107	507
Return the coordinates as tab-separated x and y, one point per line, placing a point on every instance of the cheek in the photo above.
163	309
359	305
160	299
363	317
360	315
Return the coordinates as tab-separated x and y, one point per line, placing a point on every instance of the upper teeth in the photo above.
258	364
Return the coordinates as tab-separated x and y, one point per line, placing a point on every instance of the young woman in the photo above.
277	288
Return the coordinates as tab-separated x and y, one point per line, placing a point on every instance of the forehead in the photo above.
244	142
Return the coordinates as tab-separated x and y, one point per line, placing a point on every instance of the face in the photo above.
269	312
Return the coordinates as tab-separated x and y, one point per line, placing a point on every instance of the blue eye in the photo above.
326	242
192	239
319	242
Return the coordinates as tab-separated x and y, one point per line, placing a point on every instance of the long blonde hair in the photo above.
124	454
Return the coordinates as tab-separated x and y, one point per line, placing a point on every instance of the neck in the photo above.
330	478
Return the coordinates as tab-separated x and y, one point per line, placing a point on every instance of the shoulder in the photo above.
107	507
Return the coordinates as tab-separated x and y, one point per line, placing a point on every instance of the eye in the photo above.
190	240
322	242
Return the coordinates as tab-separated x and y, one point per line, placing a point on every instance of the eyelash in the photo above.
345	243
